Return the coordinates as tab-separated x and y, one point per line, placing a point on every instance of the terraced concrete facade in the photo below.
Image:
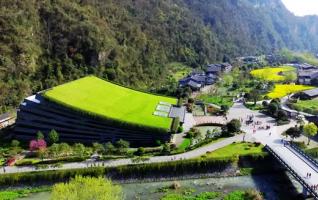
37	114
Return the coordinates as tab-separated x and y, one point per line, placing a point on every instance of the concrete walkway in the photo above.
188	155
273	139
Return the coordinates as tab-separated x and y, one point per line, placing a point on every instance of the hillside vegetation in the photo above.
46	43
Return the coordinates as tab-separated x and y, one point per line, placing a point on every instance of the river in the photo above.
274	186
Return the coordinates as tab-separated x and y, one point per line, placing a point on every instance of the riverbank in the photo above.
274	186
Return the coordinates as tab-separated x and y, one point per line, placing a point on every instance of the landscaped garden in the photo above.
276	74
308	106
237	149
282	90
104	99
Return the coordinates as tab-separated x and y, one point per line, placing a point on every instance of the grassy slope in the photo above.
312	104
240	149
281	90
102	98
271	74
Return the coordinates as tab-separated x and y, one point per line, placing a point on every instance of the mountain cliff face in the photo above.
48	42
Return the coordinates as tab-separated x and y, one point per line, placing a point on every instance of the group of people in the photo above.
250	122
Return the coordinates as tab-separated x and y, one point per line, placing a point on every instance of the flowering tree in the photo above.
37	145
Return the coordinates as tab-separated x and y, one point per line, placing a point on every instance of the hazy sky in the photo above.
302	7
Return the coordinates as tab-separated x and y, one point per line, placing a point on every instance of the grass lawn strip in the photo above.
236	149
272	73
104	99
310	104
282	90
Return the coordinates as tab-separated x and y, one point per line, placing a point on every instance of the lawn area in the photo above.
307	104
282	90
183	146
272	73
97	97
217	100
236	149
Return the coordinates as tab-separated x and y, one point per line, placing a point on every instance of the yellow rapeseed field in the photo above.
282	90
271	73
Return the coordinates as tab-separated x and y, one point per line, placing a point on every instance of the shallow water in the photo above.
273	185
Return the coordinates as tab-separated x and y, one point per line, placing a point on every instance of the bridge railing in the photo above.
296	176
305	155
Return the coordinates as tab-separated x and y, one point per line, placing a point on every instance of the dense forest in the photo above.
44	43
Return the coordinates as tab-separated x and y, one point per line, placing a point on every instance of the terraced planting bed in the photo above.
100	98
272	73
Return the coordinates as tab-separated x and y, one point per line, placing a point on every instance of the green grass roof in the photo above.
104	99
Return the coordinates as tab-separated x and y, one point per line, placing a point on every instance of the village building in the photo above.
198	78
307	94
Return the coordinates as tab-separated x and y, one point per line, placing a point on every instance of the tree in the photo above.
122	146
265	104
282	115
233	126
87	188
53	137
293	132
255	95
109	148
64	149
310	130
225	108
37	145
79	149
39	135
272	108
98	148
140	151
54	151
166	148
15	143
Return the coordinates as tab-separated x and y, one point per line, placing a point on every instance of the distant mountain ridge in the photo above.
46	43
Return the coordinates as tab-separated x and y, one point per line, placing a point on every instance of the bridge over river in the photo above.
294	159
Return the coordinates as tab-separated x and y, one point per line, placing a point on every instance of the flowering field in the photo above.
272	73
282	90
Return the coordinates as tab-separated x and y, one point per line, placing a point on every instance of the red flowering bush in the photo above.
37	145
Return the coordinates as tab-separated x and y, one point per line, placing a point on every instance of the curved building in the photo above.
93	110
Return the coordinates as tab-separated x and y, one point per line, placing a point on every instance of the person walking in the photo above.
270	133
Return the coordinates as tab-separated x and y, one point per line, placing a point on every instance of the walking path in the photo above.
284	101
271	137
188	155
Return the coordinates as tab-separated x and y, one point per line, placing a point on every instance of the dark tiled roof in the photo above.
213	68
198	78
178	112
194	84
311	93
308	73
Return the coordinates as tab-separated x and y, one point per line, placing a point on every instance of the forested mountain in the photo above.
47	42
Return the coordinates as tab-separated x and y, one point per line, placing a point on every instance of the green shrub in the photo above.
180	129
175	125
